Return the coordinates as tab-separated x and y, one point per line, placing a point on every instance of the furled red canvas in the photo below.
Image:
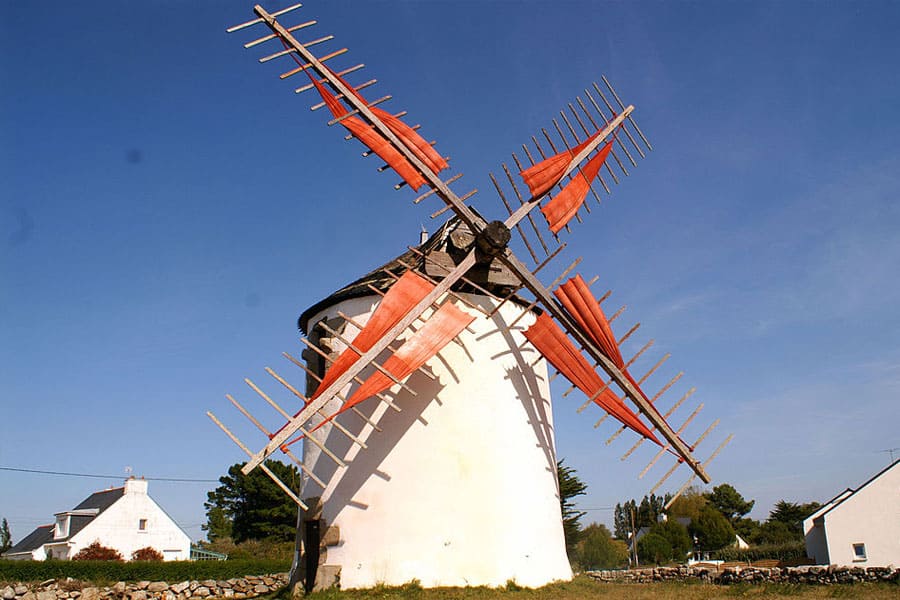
560	210
555	346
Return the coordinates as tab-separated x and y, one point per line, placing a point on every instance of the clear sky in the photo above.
168	207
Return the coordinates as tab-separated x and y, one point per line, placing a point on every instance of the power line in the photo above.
97	476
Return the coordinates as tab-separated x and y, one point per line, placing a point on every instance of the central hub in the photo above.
492	241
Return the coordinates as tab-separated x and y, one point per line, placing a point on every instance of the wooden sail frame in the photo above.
440	188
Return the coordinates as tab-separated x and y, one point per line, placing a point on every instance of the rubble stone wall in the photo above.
810	574
236	589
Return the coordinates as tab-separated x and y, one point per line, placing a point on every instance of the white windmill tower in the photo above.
428	440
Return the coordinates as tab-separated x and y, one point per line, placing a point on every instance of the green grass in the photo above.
584	588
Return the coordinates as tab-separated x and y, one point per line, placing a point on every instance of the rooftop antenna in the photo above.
891	452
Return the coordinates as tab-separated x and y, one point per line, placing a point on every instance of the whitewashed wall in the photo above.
870	516
460	487
117	527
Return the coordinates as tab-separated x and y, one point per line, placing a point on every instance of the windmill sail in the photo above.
572	333
553	344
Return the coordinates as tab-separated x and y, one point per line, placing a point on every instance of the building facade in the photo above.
858	527
125	519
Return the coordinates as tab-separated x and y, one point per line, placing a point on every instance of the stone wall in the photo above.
804	574
236	589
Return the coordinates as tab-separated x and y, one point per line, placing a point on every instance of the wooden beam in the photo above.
556	311
296	422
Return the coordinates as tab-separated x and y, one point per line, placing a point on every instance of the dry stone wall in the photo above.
235	589
809	574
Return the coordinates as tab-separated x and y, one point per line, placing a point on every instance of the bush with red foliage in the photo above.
147	553
97	552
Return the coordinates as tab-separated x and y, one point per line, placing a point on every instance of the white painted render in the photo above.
816	546
36	554
119	527
868	516
460	487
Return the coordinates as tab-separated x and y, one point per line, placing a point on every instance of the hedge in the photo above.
173	571
787	551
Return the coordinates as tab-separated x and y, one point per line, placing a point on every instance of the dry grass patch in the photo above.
585	588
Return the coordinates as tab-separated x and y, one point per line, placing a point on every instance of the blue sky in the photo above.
168	207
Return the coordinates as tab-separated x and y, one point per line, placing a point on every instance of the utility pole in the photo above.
634	540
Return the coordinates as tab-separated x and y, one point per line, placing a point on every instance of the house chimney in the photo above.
423	236
136	486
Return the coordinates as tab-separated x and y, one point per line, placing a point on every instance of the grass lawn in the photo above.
582	588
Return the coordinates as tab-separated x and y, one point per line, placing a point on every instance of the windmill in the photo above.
428	448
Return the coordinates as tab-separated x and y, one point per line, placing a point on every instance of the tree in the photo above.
746	528
253	504
775	532
218	525
97	552
712	529
646	514
5	537
622	519
792	514
147	553
688	504
598	550
677	537
653	548
729	502
570	486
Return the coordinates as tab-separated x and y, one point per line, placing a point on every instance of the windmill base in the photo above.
457	489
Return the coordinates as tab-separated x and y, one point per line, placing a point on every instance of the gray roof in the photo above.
439	248
101	500
33	540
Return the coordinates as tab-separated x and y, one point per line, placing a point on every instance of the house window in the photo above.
859	552
142	525
62	527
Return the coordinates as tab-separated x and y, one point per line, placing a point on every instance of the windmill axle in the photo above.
492	241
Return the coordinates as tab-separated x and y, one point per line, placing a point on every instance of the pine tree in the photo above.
5	537
254	505
569	487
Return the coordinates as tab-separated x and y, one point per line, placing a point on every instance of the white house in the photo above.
125	519
858	527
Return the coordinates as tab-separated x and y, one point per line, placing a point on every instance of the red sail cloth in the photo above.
580	303
397	302
407	134
371	138
544	175
428	340
563	207
444	325
555	346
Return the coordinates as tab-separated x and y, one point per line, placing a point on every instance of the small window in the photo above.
142	525
859	552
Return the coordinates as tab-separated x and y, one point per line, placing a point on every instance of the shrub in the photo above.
598	550
677	535
712	530
97	552
147	553
653	548
252	549
172	571
787	551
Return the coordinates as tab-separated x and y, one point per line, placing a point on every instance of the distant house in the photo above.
123	518
697	555
858	527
